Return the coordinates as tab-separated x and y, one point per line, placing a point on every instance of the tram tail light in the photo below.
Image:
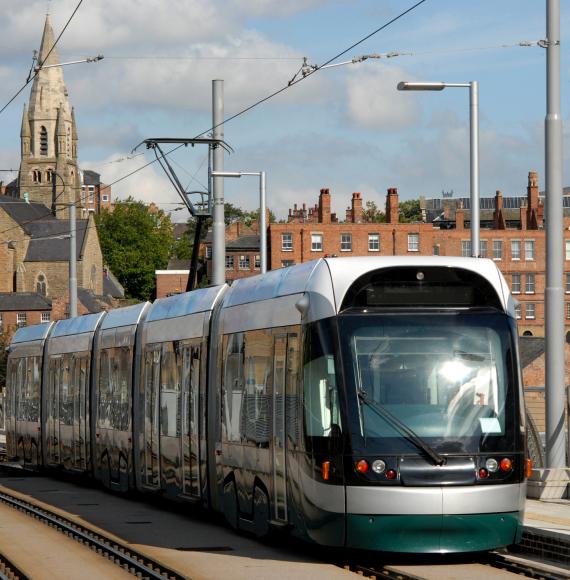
506	464
528	467
483	473
326	469
391	474
361	466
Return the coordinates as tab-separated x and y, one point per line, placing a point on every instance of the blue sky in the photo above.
345	128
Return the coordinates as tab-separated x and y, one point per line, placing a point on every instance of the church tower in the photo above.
48	169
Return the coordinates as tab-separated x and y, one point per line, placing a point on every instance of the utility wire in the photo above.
279	91
31	77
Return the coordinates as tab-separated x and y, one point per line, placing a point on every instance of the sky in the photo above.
345	128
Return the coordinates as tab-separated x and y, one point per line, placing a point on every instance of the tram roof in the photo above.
200	300
77	325
126	316
340	273
32	333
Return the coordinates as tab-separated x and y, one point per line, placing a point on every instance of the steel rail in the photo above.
117	552
9	571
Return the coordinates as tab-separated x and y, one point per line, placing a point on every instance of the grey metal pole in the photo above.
218	225
72	262
262	224
554	293
474	165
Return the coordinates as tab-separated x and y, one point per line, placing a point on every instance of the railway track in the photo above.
494	561
117	552
9	571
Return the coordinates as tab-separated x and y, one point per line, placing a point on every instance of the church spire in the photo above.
45	56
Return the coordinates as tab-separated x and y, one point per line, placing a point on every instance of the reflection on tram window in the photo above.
170	392
114	388
28	403
442	380
233	385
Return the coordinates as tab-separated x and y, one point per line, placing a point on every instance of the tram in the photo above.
371	403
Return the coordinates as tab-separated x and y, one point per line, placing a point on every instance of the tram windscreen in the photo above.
447	377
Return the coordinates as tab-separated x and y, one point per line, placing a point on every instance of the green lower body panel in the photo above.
429	534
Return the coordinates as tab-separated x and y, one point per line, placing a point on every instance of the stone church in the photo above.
34	212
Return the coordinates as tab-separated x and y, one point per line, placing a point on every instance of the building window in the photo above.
483	248
257	263
529	286
36	176
316	242
286	242
497	249
287	263
567	310
104	197
436	250
516	283
516	249
244	262
373	242
466	248
530	311
41	285
413	242
208	252
529	249
229	262
46	316
43	141
21	319
567	246
346	242
567	283
91	194
518	314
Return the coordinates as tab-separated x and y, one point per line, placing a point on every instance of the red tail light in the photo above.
506	464
326	469
483	473
528	467
361	466
391	474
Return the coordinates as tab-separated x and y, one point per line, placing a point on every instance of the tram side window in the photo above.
256	416
67	391
320	395
122	387
170	417
233	348
291	392
105	391
28	372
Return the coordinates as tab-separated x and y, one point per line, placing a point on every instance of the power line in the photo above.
31	77
267	58
279	91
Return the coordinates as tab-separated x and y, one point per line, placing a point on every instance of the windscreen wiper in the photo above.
403	428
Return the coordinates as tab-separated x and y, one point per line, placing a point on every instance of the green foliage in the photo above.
372	214
135	242
410	211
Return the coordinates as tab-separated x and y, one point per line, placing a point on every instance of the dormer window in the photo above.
43	141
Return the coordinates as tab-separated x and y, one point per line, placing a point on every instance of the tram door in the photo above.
151	436
79	382
52	420
279	462
190	420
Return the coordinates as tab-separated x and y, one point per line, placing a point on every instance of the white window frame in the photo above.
483	245
257	262
466	248
515	286
286	242
497	249
530	311
530	283
346	242
244	263
287	263
529	250
104	197
517	255
21	319
567	249
414	242
373	242
46	316
230	260
316	242
567	288
518	311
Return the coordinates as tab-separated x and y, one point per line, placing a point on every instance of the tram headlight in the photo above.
492	465
379	466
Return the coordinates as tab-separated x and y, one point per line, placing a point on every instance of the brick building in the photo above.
95	196
513	236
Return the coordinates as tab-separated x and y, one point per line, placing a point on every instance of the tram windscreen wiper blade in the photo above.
409	433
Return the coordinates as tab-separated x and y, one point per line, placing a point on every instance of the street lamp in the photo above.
474	146
262	224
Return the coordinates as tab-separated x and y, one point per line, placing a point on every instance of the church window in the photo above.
68	142
37	176
48	175
41	285
43	141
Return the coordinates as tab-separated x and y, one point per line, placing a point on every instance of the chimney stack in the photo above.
392	209
356	208
325	207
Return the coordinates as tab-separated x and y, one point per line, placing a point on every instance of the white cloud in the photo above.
373	100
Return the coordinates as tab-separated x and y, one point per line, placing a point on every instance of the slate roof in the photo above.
22	212
243	243
53	249
531	347
175	264
22	301
111	286
92	302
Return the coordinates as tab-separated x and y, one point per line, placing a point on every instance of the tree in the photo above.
410	211
135	240
372	214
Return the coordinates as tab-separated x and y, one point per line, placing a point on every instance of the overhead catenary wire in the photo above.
31	76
